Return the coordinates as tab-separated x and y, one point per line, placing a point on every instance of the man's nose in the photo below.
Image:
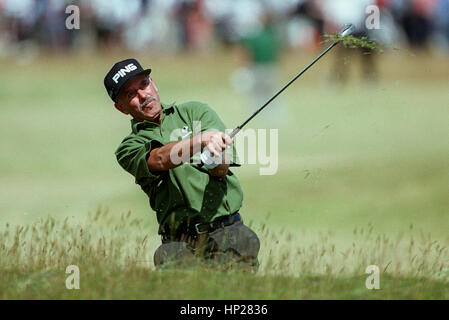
142	94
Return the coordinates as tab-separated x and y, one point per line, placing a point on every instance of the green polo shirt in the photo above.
186	194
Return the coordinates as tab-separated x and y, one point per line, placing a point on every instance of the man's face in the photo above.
140	98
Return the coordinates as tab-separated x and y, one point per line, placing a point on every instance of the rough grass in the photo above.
114	257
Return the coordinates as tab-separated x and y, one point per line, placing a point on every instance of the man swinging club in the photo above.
197	207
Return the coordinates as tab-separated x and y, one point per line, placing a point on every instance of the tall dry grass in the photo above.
105	241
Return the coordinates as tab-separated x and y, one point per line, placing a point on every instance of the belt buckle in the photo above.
197	230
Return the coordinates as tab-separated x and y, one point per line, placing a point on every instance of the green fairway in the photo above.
363	179
139	284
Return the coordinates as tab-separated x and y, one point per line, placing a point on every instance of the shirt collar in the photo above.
137	125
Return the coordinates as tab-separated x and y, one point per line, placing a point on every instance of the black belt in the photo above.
220	222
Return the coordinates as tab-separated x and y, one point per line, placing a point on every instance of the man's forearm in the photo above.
174	154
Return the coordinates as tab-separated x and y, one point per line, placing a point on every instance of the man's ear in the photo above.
120	108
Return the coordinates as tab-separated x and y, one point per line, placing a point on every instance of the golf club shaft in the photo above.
346	30
237	129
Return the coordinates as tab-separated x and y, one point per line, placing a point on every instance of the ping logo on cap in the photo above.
122	72
119	74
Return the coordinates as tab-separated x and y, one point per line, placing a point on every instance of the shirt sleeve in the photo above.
132	155
207	117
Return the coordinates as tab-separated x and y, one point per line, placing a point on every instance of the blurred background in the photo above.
363	136
202	25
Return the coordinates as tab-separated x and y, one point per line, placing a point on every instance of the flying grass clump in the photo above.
353	42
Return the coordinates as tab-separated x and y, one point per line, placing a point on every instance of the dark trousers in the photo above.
232	247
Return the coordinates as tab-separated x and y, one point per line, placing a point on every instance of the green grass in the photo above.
362	179
141	284
114	257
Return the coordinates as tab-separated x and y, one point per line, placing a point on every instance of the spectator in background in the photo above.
336	14
306	26
19	21
262	49
312	10
415	18
28	25
181	12
195	26
111	18
199	27
55	33
220	12
154	27
21	18
441	21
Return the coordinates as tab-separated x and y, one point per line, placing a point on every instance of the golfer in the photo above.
197	207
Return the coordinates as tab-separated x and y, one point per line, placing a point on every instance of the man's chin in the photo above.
157	117
153	117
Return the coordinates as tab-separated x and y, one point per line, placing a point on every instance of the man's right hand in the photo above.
161	158
215	141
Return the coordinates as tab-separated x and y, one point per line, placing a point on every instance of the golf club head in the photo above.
346	30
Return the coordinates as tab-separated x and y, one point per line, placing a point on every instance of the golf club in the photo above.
207	158
346	30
